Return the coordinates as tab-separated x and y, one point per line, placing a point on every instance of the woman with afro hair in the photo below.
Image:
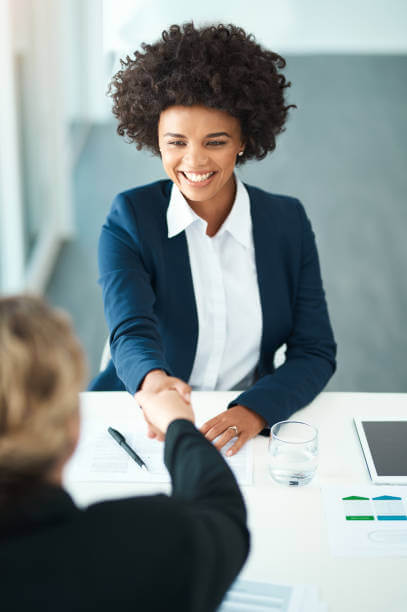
204	278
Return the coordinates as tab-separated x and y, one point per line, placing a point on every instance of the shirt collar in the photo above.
238	223
179	214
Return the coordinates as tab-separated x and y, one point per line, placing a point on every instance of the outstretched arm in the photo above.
207	495
129	298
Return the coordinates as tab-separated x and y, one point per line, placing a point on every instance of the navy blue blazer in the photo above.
150	304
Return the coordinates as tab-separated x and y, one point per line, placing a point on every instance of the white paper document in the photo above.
99	458
366	521
248	596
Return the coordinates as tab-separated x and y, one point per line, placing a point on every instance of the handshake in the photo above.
160	408
164	399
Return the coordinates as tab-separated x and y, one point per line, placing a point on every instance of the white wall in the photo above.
35	201
288	26
11	223
83	60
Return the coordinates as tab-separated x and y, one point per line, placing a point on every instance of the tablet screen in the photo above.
388	446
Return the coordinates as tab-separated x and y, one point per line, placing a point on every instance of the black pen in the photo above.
120	439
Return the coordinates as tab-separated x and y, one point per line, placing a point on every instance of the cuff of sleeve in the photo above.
135	379
246	400
174	431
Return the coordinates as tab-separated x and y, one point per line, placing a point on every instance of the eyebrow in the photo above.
214	135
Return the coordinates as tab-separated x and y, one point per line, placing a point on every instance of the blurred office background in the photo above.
343	154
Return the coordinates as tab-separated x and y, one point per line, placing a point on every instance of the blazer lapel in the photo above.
271	274
180	307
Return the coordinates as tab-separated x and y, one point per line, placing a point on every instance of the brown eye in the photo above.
216	143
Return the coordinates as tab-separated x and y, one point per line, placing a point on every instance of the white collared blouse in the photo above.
226	291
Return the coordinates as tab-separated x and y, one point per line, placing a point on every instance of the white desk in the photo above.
289	536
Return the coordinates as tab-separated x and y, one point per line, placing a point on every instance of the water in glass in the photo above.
293	453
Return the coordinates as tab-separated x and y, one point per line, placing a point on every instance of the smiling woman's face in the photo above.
198	148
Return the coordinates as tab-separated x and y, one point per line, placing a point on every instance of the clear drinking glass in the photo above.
293	452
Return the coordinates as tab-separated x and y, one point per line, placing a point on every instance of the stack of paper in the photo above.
246	596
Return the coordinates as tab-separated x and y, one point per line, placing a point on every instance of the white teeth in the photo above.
198	178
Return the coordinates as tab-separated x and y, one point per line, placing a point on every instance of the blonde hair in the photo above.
41	373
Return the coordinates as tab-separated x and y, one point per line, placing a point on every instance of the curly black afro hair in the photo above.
218	66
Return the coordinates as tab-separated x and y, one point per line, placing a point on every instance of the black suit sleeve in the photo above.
214	510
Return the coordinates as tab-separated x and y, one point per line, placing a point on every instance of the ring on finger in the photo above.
235	429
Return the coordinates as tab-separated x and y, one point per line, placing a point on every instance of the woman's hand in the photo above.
157	381
247	422
161	408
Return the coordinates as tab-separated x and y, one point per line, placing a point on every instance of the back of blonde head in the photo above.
41	373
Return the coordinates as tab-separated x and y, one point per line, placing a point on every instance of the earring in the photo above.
240	153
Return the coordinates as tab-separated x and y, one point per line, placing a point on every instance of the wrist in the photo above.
152	379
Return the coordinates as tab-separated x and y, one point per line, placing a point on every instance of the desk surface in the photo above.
289	536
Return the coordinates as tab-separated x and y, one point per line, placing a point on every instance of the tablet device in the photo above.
384	444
